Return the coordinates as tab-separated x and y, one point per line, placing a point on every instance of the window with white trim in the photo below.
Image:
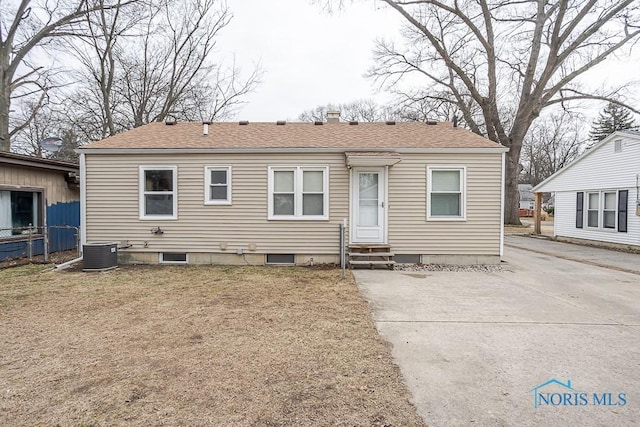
300	192
593	210
217	188
609	210
606	210
158	192
446	193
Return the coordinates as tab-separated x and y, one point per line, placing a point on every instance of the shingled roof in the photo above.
37	162
227	135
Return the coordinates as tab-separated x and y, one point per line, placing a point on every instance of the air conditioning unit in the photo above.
99	256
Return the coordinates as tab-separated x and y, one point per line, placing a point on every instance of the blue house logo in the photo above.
542	398
556	393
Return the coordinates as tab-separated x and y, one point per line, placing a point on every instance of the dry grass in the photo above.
518	229
527	228
193	346
54	258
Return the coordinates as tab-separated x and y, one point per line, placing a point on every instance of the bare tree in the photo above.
96	98
171	60
37	128
362	110
551	144
24	26
144	67
49	122
407	107
420	106
502	62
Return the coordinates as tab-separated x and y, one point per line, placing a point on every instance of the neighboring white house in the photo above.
596	196
526	196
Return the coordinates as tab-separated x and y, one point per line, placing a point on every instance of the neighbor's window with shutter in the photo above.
606	210
446	193
299	193
217	188
158	192
579	209
623	199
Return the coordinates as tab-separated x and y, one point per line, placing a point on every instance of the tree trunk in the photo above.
5	98
512	196
5	103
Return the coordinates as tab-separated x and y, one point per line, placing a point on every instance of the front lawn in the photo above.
193	346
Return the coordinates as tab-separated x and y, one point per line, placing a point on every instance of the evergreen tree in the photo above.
612	118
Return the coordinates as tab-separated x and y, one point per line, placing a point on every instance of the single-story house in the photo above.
596	196
263	193
526	196
37	195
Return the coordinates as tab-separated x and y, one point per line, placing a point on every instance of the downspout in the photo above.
83	202
45	228
67	264
502	206
638	194
638	200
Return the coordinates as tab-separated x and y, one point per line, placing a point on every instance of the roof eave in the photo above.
38	164
430	150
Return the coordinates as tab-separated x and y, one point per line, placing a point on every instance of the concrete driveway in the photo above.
472	345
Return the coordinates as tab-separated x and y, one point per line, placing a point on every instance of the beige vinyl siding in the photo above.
113	195
411	233
55	187
112	202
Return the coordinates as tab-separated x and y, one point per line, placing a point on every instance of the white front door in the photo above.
368	210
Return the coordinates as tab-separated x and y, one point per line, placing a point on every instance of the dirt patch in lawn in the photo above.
54	258
193	346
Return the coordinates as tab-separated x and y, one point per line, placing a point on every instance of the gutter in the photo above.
451	150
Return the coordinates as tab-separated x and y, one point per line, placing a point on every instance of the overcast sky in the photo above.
311	57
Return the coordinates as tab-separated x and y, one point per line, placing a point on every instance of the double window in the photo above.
158	192
605	209
446	193
20	212
298	192
217	189
601	209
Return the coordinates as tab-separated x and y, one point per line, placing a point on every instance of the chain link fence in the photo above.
29	242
